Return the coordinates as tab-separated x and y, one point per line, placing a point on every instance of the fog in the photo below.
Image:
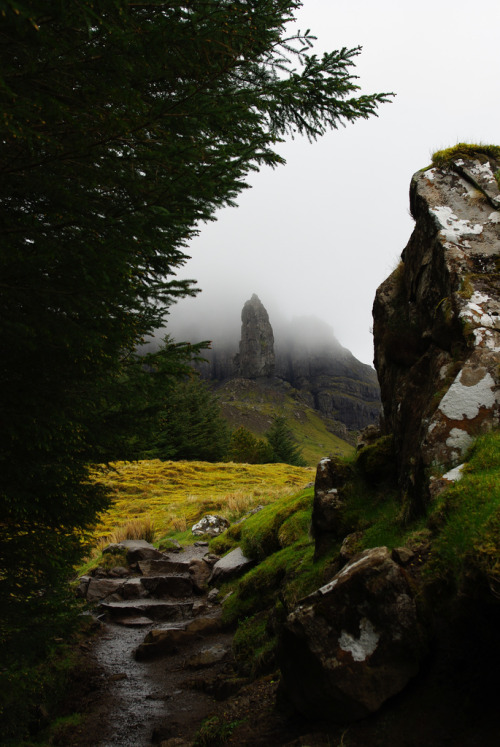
317	236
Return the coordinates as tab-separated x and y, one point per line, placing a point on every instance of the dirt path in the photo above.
130	703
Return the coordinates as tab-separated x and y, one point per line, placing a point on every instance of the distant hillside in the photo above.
253	402
305	360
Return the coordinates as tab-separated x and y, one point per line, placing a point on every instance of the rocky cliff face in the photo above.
256	356
309	358
437	323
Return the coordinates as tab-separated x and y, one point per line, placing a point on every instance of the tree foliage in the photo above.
190	424
245	447
124	126
283	443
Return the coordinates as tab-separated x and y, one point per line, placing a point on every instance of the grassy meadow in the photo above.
152	498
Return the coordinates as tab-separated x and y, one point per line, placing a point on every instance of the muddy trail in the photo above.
161	662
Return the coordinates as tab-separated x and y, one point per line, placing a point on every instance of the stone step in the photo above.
167	586
155	609
169	640
163	567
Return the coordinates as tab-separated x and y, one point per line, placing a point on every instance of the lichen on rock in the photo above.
437	320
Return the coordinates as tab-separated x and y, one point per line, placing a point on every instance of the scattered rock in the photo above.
119	571
350	546
164	642
118	547
212	596
200	573
402	555
101	588
83	585
230	566
368	436
211	525
354	643
207	656
170	545
134	555
156	609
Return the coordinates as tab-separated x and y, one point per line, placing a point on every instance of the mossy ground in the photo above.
171	496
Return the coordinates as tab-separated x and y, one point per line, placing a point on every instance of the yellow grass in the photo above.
166	497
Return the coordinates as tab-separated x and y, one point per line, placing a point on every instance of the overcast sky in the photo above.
317	236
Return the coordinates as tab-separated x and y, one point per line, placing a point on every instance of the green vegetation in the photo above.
283	443
190	424
215	731
467	150
464	150
252	406
466	520
31	692
171	496
104	180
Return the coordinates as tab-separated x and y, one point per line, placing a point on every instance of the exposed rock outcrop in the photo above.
354	643
437	323
305	356
256	356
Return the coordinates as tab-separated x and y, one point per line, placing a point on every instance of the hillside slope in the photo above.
253	402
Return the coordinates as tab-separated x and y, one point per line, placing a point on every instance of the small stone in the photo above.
402	555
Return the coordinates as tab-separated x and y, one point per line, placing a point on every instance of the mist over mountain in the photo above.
302	353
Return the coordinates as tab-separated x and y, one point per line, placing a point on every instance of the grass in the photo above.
464	150
466	519
163	498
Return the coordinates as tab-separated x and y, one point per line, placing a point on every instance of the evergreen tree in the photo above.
246	448
124	126
191	425
283	443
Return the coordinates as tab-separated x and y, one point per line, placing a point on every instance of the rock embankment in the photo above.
437	323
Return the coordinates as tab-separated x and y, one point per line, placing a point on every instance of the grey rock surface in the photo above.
230	566
437	324
354	643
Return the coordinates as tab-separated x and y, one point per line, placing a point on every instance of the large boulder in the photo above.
232	565
210	525
354	643
437	323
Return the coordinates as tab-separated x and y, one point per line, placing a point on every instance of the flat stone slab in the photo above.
134	621
163	567
152	608
167	586
167	641
230	566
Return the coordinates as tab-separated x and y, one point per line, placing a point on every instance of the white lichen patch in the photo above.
463	401
475	312
455	474
494	217
452	227
458	441
483	170
430	174
362	647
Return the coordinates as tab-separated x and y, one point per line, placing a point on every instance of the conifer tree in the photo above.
124	126
191	425
283	443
